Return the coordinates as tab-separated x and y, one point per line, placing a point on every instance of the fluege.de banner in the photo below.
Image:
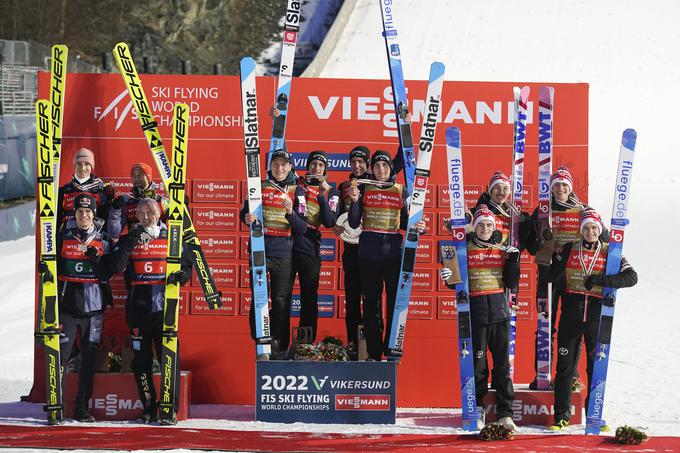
334	115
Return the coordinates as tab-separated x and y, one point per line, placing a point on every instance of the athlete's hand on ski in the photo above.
338	230
175	278
421	226
274	112
249	218
512	254
45	272
593	280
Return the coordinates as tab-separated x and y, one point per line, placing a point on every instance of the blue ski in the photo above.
398	91
258	262
395	345
618	227
454	160
291	28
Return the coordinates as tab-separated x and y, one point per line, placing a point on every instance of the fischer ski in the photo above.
521	97
291	28
58	65
133	83
398	91
618	226
454	160
258	262
49	304
176	210
544	289
422	173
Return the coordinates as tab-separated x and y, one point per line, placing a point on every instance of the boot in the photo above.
481	417
80	412
508	423
149	415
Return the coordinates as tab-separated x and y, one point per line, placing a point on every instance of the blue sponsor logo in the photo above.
327	249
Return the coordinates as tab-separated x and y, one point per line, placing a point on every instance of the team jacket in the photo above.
82	286
144	266
317	210
279	228
127	215
382	212
68	192
490	272
581	303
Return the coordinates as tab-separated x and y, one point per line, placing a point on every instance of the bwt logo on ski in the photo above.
362	402
111	404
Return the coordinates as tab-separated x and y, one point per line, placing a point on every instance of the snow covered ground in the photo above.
626	51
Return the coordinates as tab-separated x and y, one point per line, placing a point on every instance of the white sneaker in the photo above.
481	415
508	423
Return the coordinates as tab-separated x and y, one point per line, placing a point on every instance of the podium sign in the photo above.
326	392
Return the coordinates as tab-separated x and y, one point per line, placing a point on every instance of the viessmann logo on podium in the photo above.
326	392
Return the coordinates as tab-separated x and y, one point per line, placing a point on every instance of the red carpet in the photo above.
154	438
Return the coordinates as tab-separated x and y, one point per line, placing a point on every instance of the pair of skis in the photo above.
258	261
128	71
415	175
49	122
544	292
175	223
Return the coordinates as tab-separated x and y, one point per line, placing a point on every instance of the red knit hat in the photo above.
589	215
562	175
499	178
146	168
482	213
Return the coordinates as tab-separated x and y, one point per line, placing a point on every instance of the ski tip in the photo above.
453	136
437	69
59	47
122	44
247	66
629	138
524	93
545	92
516	91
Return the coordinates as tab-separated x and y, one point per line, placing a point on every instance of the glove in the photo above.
118	203
445	273
91	252
134	234
593	280
109	192
45	271
513	254
175	278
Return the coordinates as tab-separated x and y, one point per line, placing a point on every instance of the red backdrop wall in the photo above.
330	114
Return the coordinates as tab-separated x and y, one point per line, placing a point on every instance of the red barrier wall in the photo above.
330	114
